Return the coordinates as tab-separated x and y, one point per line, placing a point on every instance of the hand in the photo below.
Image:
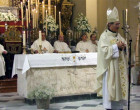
87	50
45	50
55	51
4	52
95	43
121	45
36	51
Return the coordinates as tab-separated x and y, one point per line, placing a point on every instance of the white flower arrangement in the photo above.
8	17
82	24
41	92
51	24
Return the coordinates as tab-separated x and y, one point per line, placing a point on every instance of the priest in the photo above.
60	46
112	79
93	43
2	62
46	46
83	46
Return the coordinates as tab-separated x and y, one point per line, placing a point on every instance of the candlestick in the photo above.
40	49
24	49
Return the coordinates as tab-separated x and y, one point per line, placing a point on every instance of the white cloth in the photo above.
93	47
25	62
61	46
45	44
117	80
83	46
115	105
2	62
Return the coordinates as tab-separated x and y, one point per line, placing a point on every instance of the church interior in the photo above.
49	50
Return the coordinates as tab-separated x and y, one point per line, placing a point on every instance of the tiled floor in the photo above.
11	101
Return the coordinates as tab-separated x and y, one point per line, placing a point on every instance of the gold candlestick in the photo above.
40	49
24	49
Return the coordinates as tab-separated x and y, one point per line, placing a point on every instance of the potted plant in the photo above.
42	95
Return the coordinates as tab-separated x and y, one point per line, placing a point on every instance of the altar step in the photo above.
8	85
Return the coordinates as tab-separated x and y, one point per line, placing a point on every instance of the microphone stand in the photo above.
129	61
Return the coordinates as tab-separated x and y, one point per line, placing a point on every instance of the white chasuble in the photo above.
61	46
2	62
46	46
83	46
115	66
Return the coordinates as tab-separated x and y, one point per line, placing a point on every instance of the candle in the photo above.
33	18
49	10
36	2
49	6
59	22
55	13
23	1
22	12
43	7
38	7
24	39
36	18
29	9
31	2
27	17
46	24
139	6
40	38
126	15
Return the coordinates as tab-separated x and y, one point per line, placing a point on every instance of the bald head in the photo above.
61	38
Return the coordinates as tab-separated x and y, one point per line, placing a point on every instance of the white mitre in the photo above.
112	15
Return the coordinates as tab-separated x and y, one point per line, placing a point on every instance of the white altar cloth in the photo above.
69	74
25	62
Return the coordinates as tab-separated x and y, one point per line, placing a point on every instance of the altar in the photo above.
68	74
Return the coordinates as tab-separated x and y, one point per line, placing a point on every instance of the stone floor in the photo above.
11	101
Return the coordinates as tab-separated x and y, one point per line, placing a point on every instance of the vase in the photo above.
43	103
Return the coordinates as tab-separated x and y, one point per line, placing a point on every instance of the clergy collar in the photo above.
110	33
